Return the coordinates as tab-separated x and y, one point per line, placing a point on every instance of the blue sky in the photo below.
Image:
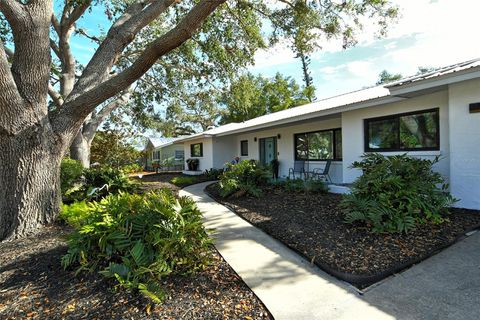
429	33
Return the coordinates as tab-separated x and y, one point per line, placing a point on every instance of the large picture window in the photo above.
319	145
196	150
403	132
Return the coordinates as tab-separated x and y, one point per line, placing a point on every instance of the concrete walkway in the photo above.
443	287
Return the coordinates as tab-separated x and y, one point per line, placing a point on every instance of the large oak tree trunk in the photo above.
33	137
80	149
29	182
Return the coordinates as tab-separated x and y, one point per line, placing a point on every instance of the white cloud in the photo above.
359	68
280	54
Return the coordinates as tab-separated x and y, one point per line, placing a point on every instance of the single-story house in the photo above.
165	152
428	115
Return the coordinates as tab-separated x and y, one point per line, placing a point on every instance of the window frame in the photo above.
177	152
334	147
242	153
396	117
201	150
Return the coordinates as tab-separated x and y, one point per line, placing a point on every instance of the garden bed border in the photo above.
359	281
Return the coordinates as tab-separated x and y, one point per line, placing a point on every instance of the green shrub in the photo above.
131	168
294	185
101	181
137	239
183	181
70	174
396	193
246	177
315	186
75	214
307	186
213	174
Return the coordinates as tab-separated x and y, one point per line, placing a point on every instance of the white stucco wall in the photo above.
465	144
206	161
353	131
224	150
285	146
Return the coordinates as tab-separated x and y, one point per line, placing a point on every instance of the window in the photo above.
403	132
244	148
179	154
319	145
196	150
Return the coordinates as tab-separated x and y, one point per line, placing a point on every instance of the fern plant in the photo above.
395	194
138	239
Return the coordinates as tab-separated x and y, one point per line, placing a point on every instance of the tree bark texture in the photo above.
29	182
33	139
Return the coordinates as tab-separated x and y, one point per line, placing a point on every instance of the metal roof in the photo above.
360	98
436	73
158	142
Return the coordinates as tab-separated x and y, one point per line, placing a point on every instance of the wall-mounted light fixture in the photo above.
474	107
279	136
255	139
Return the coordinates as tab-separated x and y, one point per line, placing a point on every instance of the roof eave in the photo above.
319	114
425	84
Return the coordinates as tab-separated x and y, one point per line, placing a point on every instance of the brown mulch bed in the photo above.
34	285
312	224
163	180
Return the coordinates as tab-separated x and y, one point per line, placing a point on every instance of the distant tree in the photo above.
113	148
387	77
253	96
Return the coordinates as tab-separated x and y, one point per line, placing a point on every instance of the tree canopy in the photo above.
45	100
253	96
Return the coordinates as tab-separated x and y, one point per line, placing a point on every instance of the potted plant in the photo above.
155	165
193	164
275	166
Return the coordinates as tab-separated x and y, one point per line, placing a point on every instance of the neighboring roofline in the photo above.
195	136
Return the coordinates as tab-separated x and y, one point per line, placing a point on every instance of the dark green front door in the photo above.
268	150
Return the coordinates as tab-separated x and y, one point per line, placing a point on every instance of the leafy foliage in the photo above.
213	174
396	193
112	148
253	96
245	177
70	174
138	239
307	186
75	214
183	181
131	168
101	181
93	183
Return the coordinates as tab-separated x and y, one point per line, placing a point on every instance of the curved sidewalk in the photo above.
289	286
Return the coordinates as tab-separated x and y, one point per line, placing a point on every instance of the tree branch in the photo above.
72	114
14	12
76	13
56	97
85	34
11	103
122	33
55	49
56	25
